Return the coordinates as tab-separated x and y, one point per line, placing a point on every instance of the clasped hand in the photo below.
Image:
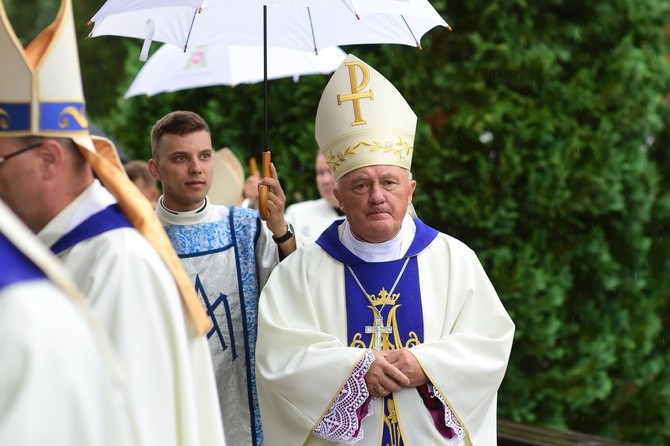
393	370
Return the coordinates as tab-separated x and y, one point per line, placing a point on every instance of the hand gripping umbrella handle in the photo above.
263	190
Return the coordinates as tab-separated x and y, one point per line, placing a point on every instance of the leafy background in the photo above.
542	143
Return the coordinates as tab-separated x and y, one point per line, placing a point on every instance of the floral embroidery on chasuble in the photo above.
219	257
402	314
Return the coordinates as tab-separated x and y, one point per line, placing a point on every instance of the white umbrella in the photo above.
299	24
172	69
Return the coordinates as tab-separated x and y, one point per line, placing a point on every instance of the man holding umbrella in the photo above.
228	253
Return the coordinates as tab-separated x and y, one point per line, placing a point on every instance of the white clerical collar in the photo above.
198	215
387	251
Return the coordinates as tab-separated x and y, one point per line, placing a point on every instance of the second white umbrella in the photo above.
172	69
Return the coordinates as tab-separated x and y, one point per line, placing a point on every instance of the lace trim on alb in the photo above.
341	422
450	419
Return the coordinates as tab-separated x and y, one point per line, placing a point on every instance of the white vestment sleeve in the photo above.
59	385
300	381
468	345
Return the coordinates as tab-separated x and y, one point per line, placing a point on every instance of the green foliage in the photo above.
543	142
559	200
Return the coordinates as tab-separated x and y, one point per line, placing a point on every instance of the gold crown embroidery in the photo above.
381	298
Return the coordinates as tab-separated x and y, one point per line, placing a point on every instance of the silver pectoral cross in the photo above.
378	328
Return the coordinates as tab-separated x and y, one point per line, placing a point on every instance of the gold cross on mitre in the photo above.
356	89
381	130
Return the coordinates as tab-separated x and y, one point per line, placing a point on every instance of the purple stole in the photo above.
16	267
402	312
107	219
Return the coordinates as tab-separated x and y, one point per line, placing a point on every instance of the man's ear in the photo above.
153	168
337	194
51	157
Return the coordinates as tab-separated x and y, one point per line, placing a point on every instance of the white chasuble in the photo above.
134	296
60	384
228	256
313	319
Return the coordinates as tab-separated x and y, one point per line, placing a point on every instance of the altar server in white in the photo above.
385	331
228	252
106	234
310	218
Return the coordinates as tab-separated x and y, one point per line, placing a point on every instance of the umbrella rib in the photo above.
311	26
418	45
190	28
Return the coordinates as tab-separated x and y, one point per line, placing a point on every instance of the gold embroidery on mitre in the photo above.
401	149
77	114
355	96
335	160
4	119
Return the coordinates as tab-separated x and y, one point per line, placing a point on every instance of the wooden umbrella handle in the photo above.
253	168
265	164
263	190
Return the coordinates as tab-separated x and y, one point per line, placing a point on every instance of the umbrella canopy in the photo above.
172	69
300	24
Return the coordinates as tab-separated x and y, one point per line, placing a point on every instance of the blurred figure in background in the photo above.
138	172
227	179
312	217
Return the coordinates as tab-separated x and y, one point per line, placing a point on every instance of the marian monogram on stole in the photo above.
387	332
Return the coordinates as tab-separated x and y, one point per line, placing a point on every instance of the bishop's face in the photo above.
375	201
184	165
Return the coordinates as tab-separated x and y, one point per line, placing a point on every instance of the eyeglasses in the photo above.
19	152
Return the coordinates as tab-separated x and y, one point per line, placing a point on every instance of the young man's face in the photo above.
184	166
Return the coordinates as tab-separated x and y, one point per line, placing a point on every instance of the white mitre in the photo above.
363	120
40	86
227	179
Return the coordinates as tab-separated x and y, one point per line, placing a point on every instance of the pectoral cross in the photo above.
378	328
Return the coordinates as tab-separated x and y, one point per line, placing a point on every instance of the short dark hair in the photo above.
178	122
139	169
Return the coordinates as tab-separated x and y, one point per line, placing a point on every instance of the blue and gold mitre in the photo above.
41	91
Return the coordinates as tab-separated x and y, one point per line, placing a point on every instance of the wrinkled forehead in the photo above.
376	172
